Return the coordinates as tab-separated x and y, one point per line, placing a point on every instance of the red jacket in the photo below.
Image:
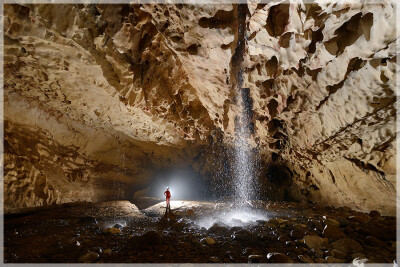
167	194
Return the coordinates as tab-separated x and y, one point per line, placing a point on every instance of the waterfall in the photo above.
243	164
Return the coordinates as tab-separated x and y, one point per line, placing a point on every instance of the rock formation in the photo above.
96	97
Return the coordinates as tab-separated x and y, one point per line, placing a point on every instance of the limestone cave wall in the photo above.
98	96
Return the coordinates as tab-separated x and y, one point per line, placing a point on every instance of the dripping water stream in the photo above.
243	165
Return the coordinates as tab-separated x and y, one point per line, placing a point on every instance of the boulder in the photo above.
332	222
209	240
112	230
316	242
255	258
360	218
305	259
297	233
347	245
89	257
149	239
332	232
275	257
331	259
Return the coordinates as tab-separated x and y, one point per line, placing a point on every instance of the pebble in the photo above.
209	240
118	226
275	257
332	233
273	223
343	222
347	245
190	213
214	259
113	230
107	251
330	259
317	252
319	260
297	233
89	257
332	222
151	238
374	214
374	242
336	253
313	241
305	259
358	256
217	229
255	258
361	218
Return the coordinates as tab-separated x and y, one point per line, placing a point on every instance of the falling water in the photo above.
244	190
243	168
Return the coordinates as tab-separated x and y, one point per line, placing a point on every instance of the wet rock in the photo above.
315	242
275	257
273	223
107	251
332	232
360	218
251	251
149	239
229	255
330	259
117	225
374	242
332	222
87	220
283	238
282	222
190	213
241	235
89	257
234	229
316	223
255	258
112	230
347	245
319	260
290	243
343	222
318	253
374	214
214	259
297	233
358	256
336	253
217	229
97	249
346	208
379	231
314	231
209	240
305	259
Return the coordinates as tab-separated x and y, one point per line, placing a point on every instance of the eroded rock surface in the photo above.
98	96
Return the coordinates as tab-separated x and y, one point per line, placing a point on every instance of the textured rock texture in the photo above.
97	97
322	77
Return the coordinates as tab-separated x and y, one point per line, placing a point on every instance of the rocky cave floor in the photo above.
118	232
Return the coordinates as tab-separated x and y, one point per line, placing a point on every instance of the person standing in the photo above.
167	194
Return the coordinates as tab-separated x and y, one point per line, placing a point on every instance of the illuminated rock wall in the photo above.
99	96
